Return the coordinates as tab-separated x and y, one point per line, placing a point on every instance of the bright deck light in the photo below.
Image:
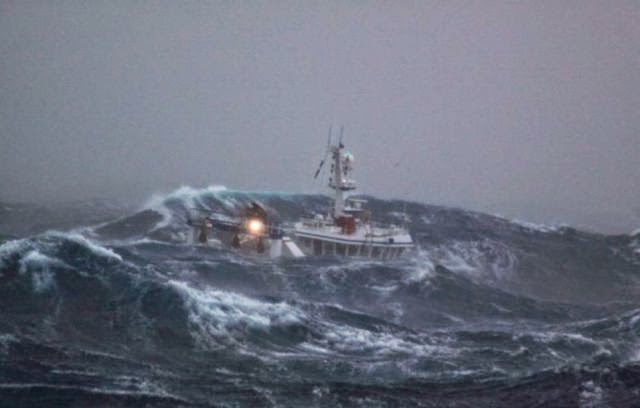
255	226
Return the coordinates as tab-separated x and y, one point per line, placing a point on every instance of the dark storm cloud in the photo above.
523	108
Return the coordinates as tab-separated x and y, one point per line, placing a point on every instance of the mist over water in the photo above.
488	312
527	110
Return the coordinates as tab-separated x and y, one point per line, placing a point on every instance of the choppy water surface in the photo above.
488	312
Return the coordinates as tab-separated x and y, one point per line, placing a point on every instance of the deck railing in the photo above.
375	228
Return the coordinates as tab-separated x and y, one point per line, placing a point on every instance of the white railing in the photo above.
375	229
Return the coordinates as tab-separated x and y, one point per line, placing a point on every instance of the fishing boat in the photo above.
346	230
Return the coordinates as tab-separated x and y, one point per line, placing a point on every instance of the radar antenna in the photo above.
326	154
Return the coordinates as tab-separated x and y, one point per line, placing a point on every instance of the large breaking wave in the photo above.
488	312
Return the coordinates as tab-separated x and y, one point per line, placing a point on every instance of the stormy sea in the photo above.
105	305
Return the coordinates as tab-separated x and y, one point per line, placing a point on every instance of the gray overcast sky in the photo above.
523	108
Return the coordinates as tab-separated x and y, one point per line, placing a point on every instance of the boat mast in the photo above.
335	181
338	180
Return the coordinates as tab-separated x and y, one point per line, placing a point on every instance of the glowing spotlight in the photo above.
255	226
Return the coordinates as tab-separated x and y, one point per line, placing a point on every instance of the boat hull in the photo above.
300	244
373	247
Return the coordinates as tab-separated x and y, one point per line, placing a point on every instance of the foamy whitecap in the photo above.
11	247
536	227
423	267
39	266
92	246
216	312
480	259
189	197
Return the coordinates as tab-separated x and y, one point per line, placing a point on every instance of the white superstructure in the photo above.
348	230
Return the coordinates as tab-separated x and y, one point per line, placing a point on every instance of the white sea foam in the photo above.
215	313
484	258
551	336
142	385
536	227
423	267
39	266
35	255
156	203
334	275
95	390
352	340
384	289
11	247
219	316
92	246
189	196
635	317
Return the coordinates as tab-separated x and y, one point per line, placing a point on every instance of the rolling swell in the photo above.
488	312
